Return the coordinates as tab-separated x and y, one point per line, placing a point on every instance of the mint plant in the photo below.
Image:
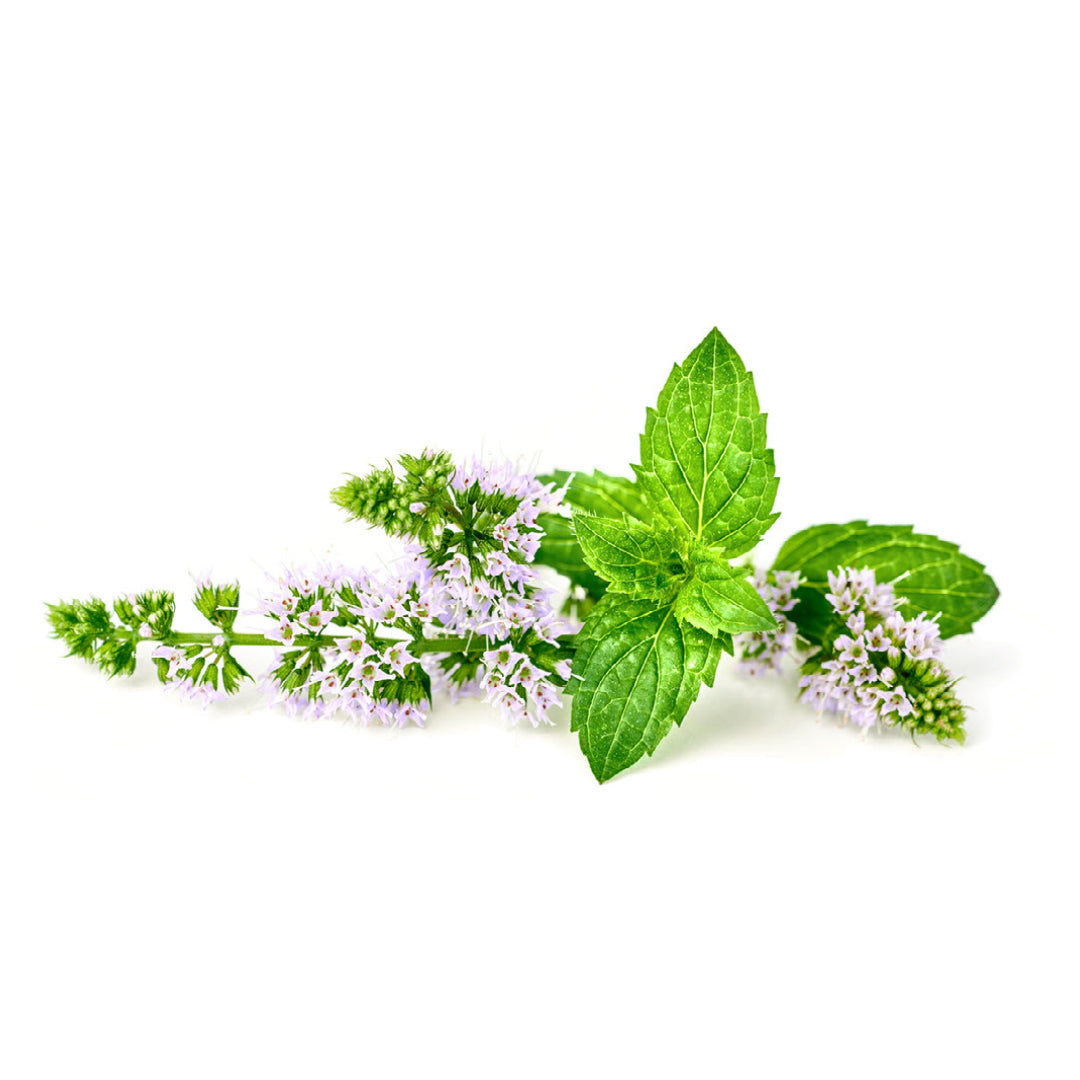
658	568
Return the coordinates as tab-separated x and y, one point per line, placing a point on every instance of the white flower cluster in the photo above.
762	651
860	680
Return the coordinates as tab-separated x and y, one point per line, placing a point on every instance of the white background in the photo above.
247	248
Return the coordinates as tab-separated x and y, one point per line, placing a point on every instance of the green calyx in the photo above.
936	710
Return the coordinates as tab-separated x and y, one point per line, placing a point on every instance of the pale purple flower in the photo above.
316	617
851	649
498	563
357	649
894	701
284	631
305	583
397	658
458	568
370	672
168	652
528	546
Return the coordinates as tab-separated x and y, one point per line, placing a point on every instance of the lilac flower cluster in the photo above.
478	586
499	597
885	667
519	688
763	651
351	672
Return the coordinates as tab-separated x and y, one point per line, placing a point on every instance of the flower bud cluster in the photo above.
885	667
411	505
762	651
88	629
149	614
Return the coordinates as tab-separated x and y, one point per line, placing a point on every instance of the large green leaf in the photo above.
935	575
640	671
705	466
603	495
719	598
628	555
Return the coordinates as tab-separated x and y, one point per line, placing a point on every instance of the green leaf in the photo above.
815	617
629	556
640	671
560	550
596	493
936	576
704	463
719	598
603	495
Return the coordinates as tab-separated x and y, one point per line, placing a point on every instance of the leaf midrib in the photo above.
626	701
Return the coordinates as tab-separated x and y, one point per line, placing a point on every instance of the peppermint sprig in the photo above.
654	556
658	566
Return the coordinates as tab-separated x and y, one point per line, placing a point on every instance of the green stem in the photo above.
207	639
424	645
473	644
